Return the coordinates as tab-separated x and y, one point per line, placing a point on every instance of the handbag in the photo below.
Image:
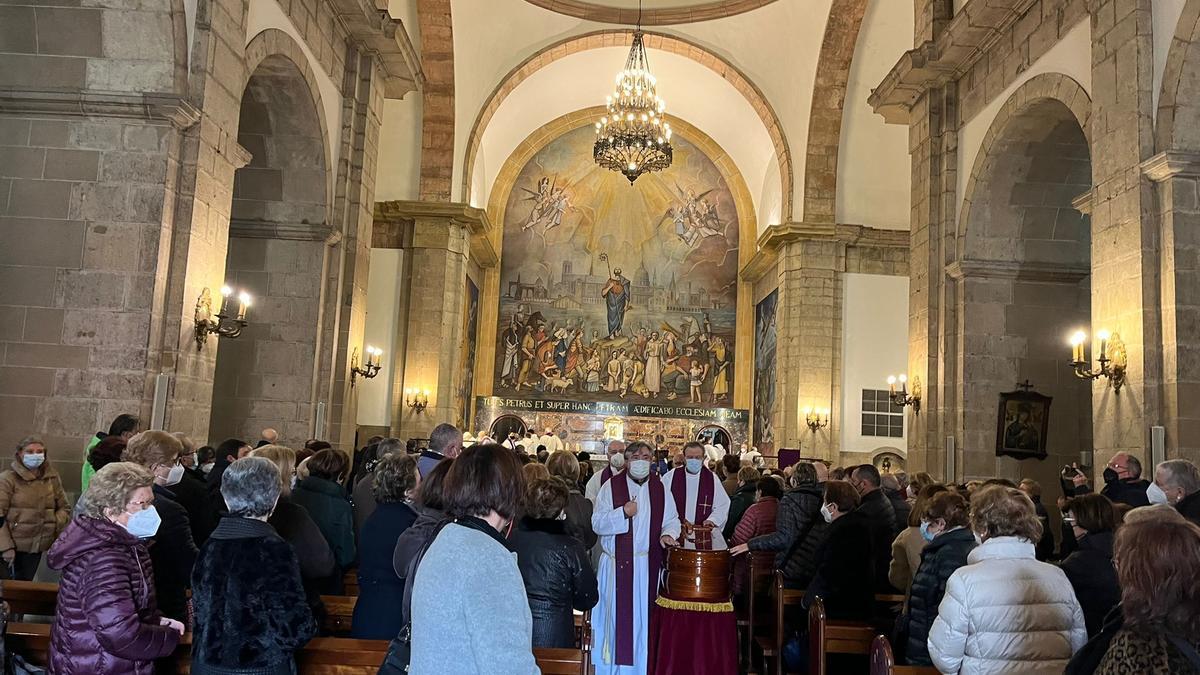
399	652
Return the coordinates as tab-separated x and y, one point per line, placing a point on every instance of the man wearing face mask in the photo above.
1123	482
1178	481
697	493
616	462
881	517
635	518
33	510
174	550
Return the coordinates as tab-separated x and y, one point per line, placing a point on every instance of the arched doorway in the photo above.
1023	283
504	425
278	224
715	434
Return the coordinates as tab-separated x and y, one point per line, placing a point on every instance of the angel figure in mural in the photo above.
550	203
541	203
694	218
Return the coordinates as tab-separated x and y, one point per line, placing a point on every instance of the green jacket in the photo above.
86	473
329	505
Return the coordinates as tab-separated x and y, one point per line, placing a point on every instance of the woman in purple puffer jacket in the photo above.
106	622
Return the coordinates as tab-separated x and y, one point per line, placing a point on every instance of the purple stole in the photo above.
606	475
704	495
624	563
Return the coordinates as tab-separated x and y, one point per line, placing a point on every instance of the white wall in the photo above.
1071	56
383	289
398	169
874	345
1165	18
874	172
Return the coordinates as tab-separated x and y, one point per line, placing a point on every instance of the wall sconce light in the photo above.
1113	360
369	369
416	399
816	418
219	324
903	397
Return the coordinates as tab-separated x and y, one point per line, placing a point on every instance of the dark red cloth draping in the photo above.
684	642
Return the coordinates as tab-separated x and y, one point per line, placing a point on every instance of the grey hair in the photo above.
395	477
802	473
251	486
28	441
1134	465
1181	474
442	437
387	446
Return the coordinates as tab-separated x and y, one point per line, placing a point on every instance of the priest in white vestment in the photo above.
634	530
616	462
703	499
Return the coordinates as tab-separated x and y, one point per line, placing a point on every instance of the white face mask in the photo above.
826	513
207	467
639	468
1155	494
616	461
174	476
693	465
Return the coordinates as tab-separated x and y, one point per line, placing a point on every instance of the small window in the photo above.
881	417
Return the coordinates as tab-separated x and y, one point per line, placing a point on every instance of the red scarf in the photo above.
624	563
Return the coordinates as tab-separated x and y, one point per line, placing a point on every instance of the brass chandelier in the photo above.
633	137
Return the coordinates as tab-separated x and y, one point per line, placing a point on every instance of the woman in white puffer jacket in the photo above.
1005	612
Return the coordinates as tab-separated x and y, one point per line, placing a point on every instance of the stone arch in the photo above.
889	459
274	42
662	16
1177	126
623	38
828	101
437	99
1047	91
1021	272
279	222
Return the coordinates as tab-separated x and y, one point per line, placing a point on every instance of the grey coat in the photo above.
470	614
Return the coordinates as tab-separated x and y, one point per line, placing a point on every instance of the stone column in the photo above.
1177	175
1125	275
437	238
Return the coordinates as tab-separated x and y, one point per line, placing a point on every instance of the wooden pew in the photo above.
30	597
883	662
754	613
834	637
339	613
350	583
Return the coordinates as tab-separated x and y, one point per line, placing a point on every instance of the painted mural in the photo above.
469	344
764	372
613	292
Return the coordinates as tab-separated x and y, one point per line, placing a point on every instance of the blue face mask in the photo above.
925	533
694	465
33	461
144	524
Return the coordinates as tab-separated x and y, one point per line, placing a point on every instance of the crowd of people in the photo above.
469	554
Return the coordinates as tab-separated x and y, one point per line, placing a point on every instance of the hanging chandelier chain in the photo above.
633	137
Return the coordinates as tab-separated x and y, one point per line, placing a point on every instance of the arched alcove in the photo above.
278	225
1023	256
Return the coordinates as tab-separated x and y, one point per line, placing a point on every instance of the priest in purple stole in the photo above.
616	461
696	491
635	518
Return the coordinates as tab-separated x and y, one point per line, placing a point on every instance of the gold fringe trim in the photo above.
714	607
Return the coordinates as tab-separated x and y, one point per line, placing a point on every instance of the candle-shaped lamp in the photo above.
225	293
903	384
891	384
370	355
1103	336
243	305
1077	341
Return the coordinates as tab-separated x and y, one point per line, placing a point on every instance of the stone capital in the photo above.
1170	164
384	37
396	221
1004	269
150	106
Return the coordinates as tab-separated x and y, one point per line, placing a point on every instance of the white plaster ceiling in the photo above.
776	47
691	91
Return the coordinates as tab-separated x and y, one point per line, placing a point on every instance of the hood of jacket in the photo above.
84	535
958	535
1002	548
322	486
27	474
805	490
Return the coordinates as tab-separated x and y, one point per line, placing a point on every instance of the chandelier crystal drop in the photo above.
633	137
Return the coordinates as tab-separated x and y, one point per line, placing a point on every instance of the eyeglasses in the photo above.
143	505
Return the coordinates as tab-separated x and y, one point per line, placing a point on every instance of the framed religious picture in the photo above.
1022	423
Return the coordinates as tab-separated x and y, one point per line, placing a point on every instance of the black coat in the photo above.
1131	491
845	561
251	613
377	613
739	501
173	553
192	494
415	538
940	558
1189	507
1087	660
1044	550
878	511
901	508
799	529
318	570
1092	575
579	518
558	578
